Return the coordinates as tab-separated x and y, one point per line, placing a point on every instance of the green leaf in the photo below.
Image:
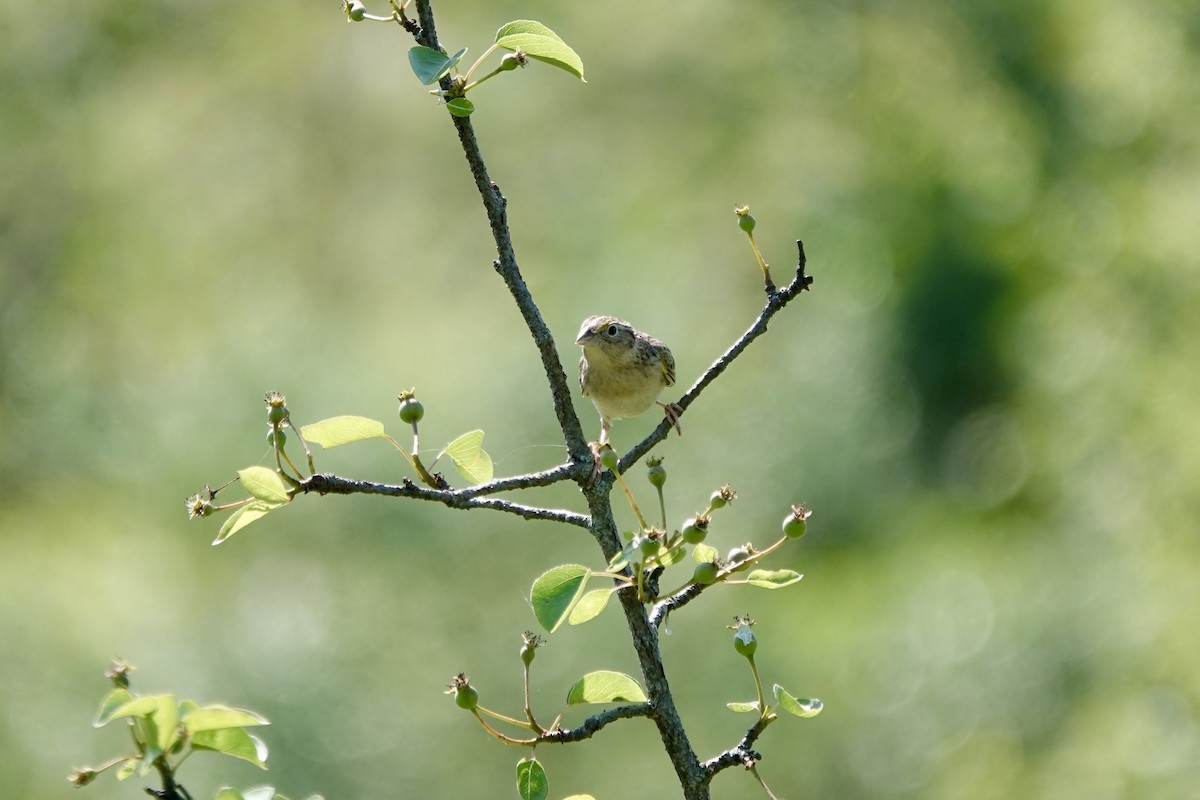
264	484
704	554
113	701
233	742
589	606
227	793
429	65
549	49
773	578
342	430
531	780
128	768
555	593
216	717
673	556
743	708
526	26
239	519
261	793
801	707
140	706
166	719
460	107
469	457
605	686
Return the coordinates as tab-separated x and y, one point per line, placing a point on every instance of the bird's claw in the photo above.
672	411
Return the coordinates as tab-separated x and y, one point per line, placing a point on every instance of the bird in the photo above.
623	371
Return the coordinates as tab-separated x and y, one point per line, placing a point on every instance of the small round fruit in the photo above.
608	458
795	524
744	642
649	547
466	697
695	530
706	572
737	555
656	473
411	410
746	222
355	10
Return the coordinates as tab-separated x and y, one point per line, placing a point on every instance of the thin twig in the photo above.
594	724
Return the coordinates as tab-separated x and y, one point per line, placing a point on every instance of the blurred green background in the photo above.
990	398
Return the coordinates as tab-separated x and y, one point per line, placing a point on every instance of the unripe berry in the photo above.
795	524
695	530
529	645
738	554
655	472
464	693
608	458
743	638
355	10
411	410
706	572
277	410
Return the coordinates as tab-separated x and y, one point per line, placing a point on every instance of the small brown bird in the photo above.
623	371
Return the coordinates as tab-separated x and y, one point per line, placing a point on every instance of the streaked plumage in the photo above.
622	370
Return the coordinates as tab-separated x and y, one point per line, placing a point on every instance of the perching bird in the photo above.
623	371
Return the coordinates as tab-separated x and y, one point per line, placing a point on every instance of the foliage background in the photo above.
990	398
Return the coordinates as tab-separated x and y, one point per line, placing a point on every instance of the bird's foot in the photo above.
672	412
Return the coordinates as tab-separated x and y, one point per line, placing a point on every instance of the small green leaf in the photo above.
261	793
531	780
743	708
113	701
429	65
703	554
801	707
773	578
233	742
127	769
211	718
227	793
469	457
264	484
342	430
239	519
460	107
549	49
139	706
526	26
605	686
166	719
555	593
672	556
589	606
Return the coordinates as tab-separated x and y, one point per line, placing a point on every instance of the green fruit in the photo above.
737	555
746	222
744	642
271	437
795	524
466	697
656	473
355	10
649	547
608	458
706	573
695	530
276	414
411	410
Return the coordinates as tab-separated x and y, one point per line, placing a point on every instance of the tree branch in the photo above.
738	755
594	724
326	483
776	300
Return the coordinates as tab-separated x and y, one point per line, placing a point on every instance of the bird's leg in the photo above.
672	412
605	429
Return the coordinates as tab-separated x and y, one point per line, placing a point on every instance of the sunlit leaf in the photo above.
531	780
227	793
233	742
166	719
589	606
548	49
342	430
469	457
773	578
555	592
704	554
139	706
460	107
673	556
429	65
260	793
801	707
605	686
264	484
525	26
211	718
128	768
742	708
242	517
113	701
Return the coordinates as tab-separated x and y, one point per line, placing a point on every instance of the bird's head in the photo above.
608	334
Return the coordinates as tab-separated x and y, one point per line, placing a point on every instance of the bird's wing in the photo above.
583	365
668	367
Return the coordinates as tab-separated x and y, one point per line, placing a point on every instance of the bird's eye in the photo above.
612	330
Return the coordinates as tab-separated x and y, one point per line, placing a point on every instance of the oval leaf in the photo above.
460	107
555	592
589	606
531	780
211	718
605	686
704	554
773	578
526	26
469	457
342	430
801	707
243	517
115	700
264	484
429	65
550	50
233	742
742	708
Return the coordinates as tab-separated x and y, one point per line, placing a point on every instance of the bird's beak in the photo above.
585	336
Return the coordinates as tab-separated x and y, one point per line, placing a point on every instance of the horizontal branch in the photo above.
325	483
740	754
776	300
531	480
593	724
678	600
